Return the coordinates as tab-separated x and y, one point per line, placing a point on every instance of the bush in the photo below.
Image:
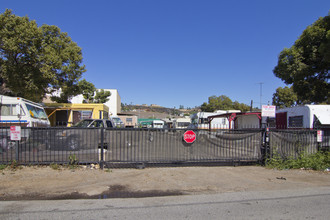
3	166
317	161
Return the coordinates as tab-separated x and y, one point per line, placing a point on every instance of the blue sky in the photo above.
179	52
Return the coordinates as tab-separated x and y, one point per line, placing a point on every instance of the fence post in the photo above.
102	149
265	149
17	151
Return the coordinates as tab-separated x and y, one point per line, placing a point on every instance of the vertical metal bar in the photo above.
102	148
17	151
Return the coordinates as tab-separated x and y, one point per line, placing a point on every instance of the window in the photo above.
10	110
86	114
296	121
36	112
96	124
105	115
129	120
271	122
183	124
204	120
109	124
83	123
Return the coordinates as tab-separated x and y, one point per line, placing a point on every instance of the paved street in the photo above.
311	203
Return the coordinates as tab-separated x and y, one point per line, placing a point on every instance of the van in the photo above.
158	124
22	112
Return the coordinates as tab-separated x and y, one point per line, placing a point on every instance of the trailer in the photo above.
23	112
181	123
306	116
201	120
16	111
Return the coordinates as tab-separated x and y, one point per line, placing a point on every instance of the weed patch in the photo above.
317	161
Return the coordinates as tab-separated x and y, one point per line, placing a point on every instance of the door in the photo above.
281	120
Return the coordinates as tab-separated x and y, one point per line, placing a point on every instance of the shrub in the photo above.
317	161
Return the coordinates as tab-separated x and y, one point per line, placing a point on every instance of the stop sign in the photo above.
189	136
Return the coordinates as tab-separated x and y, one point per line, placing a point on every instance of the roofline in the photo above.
236	113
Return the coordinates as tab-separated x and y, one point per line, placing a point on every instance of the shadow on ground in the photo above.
115	191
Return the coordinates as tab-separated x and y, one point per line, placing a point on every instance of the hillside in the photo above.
154	111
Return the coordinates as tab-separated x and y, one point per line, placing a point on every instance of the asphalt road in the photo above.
311	203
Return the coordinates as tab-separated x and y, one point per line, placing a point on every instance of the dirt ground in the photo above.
30	183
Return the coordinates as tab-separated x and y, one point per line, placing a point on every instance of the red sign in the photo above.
319	135
15	133
189	136
268	111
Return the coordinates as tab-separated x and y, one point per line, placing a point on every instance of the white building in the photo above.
114	102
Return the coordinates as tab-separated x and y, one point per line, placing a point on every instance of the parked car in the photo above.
117	122
81	135
95	123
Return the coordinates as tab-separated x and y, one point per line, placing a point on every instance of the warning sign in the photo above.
319	135
15	133
268	111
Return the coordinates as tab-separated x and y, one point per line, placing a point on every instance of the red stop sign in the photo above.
189	136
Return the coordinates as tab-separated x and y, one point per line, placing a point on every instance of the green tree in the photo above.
241	106
102	96
37	60
284	97
216	103
87	89
223	103
306	64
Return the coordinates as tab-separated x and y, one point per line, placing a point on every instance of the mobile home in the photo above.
181	123
200	120
19	111
307	116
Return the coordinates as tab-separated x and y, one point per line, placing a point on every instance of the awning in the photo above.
323	118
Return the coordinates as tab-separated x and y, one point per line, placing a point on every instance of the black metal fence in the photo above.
115	146
291	144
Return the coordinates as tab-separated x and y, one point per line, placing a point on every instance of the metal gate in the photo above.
156	146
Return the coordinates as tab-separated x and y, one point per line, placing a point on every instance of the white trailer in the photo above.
181	123
306	116
158	124
200	120
19	111
16	111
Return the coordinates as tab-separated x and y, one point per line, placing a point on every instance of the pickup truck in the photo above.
82	135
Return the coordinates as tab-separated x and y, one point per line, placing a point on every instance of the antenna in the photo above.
260	94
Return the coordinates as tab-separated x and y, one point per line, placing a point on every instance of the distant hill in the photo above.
154	111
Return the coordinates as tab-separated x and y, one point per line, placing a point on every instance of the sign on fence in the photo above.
319	136
189	136
268	111
15	133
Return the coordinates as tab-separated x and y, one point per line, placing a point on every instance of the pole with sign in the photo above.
15	135
267	111
319	139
